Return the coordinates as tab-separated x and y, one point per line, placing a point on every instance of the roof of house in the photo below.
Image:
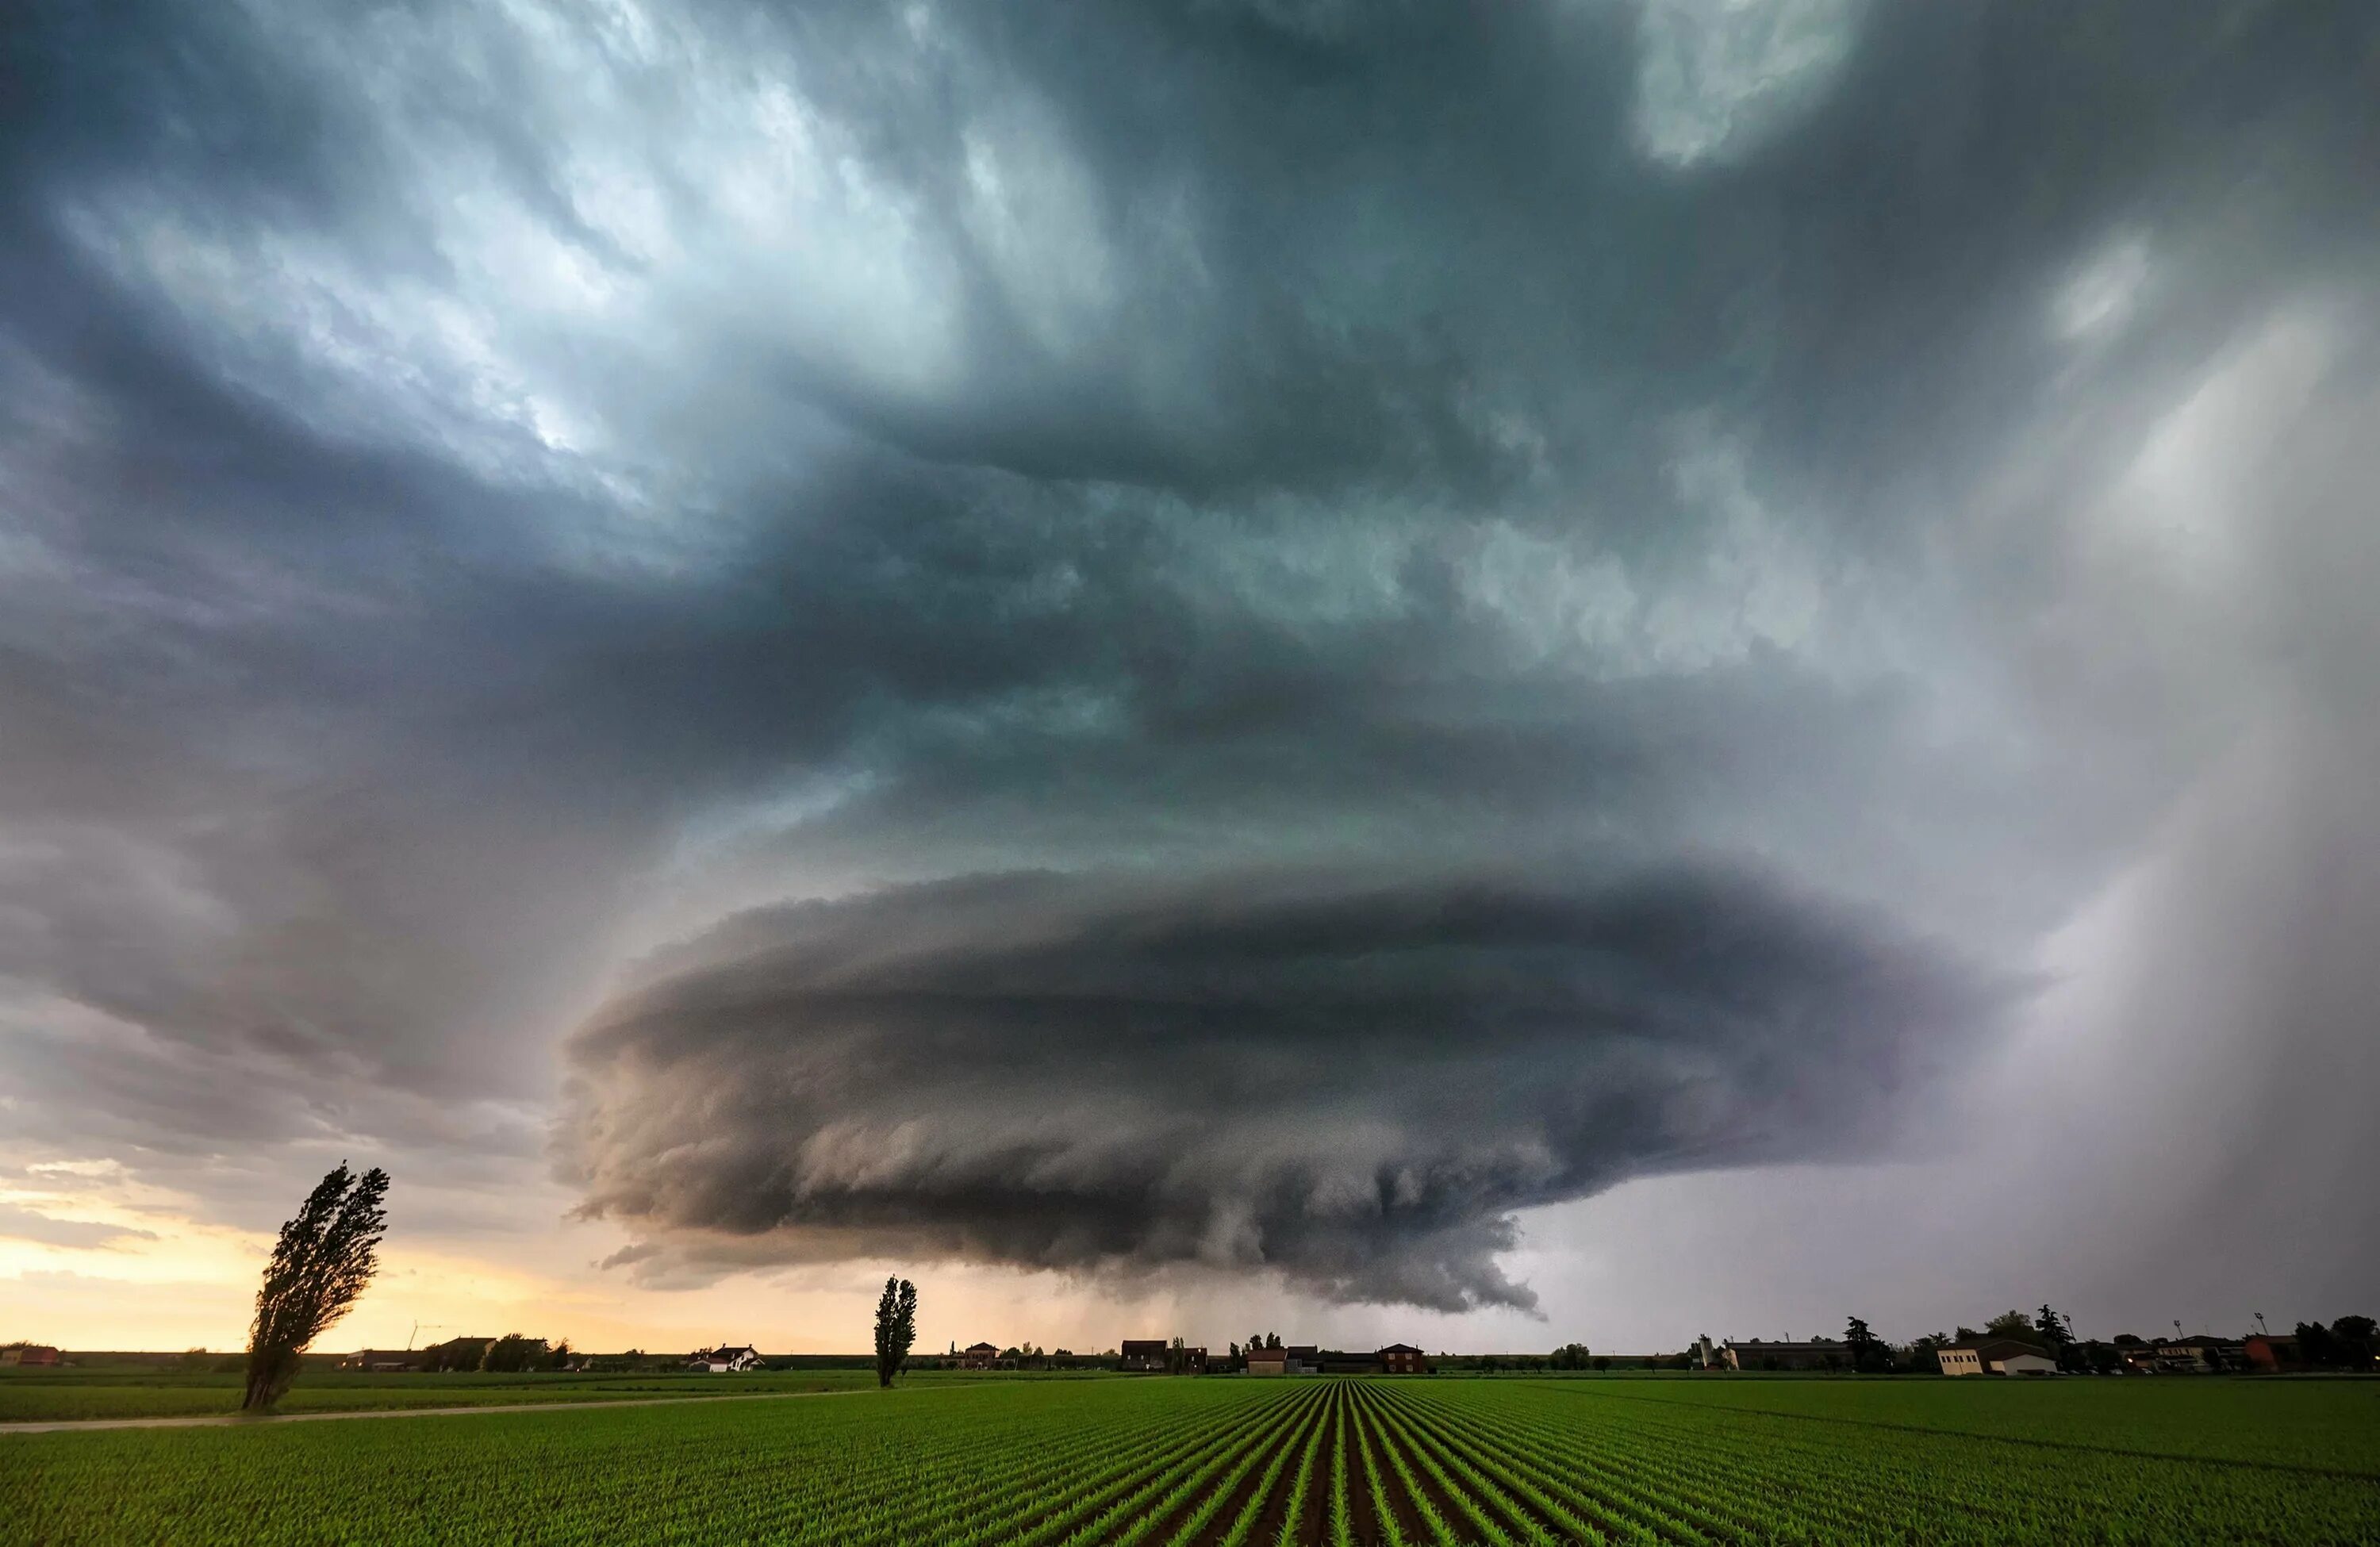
1136	1345
1268	1354
1400	1348
1997	1348
982	1348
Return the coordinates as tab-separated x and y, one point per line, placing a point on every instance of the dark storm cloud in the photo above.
1351	1086
484	491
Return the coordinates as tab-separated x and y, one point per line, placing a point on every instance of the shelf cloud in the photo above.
1244	638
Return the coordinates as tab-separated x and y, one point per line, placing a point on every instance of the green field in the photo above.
1341	1461
137	1393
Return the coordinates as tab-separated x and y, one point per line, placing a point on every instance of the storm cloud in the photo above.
1231	637
1352	1087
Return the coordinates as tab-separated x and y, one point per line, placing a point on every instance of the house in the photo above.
1146	1354
1267	1361
1156	1357
29	1354
1822	1353
1330	1362
1402	1358
725	1359
380	1360
455	1353
2273	1353
1989	1356
978	1356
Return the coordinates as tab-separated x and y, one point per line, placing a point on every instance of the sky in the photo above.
1576	670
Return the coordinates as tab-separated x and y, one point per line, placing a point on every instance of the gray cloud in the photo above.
485	493
1352	1087
28	1224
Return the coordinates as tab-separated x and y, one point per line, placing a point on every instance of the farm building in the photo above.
30	1353
1155	1356
2200	1355
1822	1353
385	1360
2269	1351
1402	1358
725	1359
977	1355
1986	1356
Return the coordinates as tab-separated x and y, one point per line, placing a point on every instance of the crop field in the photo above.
1229	1461
133	1393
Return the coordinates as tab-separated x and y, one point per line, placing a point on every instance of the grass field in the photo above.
1234	1461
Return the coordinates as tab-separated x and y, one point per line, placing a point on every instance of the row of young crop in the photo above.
1155	1463
975	1466
1582	1464
1450	1464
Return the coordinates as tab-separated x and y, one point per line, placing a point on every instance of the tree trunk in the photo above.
269	1371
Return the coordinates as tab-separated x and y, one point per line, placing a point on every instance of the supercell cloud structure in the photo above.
1236	638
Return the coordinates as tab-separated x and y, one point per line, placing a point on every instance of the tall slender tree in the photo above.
323	1261
896	1328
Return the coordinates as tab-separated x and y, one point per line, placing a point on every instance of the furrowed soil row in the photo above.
1363	1515
1621	1512
1210	1514
999	1515
1135	1482
1433	1517
1712	1463
1518	1478
1127	1466
1236	1522
1633	1482
1181	1486
992	1511
1490	1511
1298	1517
1396	1530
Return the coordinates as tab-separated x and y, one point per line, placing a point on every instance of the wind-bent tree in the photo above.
321	1262
896	1328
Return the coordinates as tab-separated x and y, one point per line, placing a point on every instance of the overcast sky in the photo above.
1494	673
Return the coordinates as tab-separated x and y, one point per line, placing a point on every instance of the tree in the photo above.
2013	1323
1866	1349
2354	1341
322	1261
513	1353
896	1327
2056	1331
1571	1356
1925	1352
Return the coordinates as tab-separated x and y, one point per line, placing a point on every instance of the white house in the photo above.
725	1360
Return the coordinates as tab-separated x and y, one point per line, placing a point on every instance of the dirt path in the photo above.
244	1420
